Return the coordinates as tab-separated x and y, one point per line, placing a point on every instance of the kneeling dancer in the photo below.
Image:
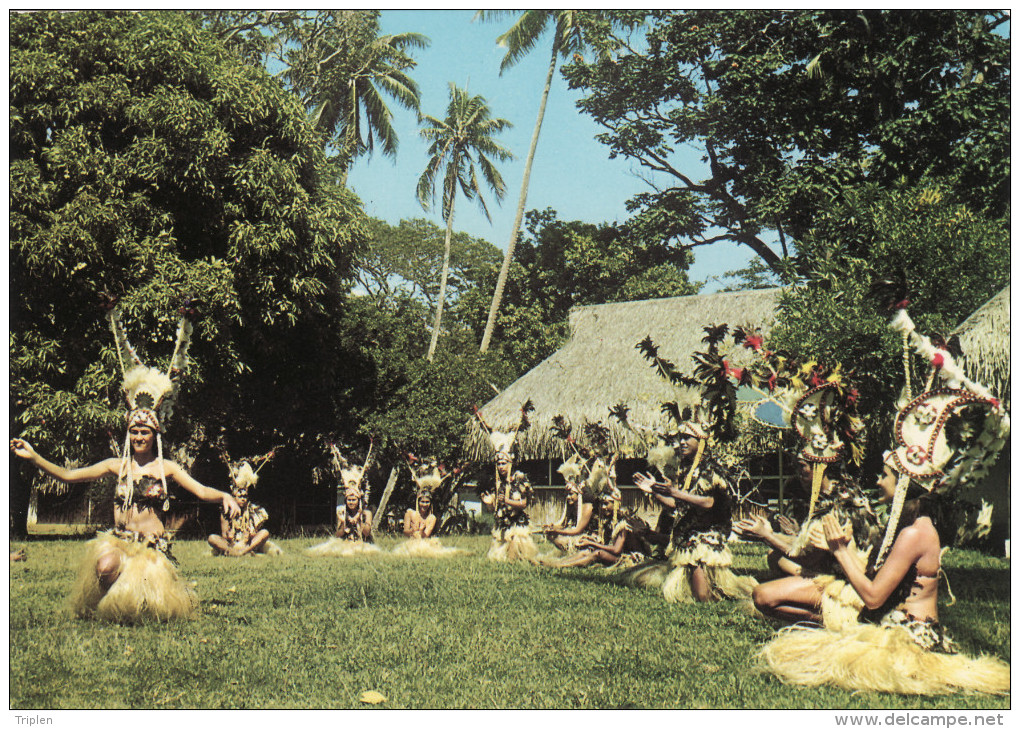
945	438
129	573
353	517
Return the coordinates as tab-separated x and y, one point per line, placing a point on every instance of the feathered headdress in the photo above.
948	436
150	394
352	476
503	442
427	475
244	476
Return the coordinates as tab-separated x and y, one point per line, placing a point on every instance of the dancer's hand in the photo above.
644	482
22	448
753	526
230	506
835	536
787	525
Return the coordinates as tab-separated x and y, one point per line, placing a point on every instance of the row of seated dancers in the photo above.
866	613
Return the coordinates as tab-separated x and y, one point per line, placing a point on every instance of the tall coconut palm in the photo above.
519	40
353	68
460	146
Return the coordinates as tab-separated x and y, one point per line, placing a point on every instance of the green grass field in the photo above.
295	632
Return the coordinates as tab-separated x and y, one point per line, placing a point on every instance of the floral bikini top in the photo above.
149	492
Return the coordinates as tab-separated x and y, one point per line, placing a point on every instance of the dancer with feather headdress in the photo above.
699	563
945	438
245	533
353	518
511	533
128	573
420	523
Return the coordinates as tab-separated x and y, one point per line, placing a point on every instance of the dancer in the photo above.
420	523
353	517
700	557
945	438
621	539
580	499
245	533
129	573
511	534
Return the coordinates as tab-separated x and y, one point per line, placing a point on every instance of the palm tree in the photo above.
519	40
459	143
352	68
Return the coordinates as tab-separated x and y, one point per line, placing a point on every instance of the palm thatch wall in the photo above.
984	337
599	366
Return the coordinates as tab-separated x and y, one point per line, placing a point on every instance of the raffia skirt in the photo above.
430	548
334	547
148	587
894	657
709	551
512	544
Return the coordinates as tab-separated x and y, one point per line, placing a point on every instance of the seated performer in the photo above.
812	575
244	533
948	437
353	519
700	558
128	573
420	522
621	541
580	501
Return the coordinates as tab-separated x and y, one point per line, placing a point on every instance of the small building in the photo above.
600	366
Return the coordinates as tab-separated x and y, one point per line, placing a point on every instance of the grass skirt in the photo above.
841	604
709	551
149	587
430	548
334	547
649	574
878	658
512	544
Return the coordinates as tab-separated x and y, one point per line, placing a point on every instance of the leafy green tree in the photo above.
953	259
147	163
460	146
791	110
522	37
405	261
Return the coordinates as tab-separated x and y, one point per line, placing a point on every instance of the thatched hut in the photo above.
984	338
600	366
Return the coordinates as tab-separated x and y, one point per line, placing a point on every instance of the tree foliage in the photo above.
149	165
337	62
791	109
953	259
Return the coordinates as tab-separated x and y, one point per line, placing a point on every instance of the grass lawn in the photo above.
296	632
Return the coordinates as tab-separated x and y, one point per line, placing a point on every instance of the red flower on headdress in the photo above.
938	360
815	380
754	342
852	396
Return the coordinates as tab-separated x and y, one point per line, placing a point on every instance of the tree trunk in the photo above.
497	297
442	283
390	483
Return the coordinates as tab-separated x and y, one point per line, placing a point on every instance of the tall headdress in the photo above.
948	436
352	476
503	442
712	415
428	477
149	393
244	473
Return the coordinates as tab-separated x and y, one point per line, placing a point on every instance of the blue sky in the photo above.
572	172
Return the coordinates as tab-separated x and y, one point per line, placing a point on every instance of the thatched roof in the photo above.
984	337
599	366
